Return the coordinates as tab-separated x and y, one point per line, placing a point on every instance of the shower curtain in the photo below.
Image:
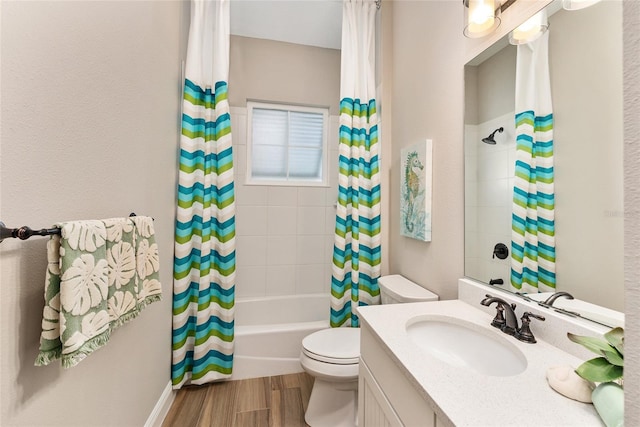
204	263
533	225
356	251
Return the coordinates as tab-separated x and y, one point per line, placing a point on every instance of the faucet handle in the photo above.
524	333
527	314
498	321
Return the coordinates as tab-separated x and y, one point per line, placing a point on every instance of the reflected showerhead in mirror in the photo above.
491	138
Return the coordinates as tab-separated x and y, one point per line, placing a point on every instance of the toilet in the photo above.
332	356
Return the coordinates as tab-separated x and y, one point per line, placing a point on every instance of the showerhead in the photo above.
491	138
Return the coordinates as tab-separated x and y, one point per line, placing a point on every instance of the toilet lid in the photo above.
405	290
335	345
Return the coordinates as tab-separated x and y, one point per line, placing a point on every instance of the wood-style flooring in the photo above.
257	402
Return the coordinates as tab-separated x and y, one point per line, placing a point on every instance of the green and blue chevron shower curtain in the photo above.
356	251
533	253
204	263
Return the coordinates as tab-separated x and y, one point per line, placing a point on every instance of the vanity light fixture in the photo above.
577	4
481	17
530	30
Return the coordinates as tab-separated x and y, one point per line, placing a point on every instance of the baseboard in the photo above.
162	407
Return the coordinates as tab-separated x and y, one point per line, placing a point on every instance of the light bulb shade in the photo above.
481	18
578	4
530	30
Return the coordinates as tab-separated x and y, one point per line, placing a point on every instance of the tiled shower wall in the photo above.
284	234
489	172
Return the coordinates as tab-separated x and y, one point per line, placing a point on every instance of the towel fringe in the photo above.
87	348
46	357
148	300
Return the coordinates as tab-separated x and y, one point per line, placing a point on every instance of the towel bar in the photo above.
23	233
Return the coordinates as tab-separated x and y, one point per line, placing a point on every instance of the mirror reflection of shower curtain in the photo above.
205	257
356	251
533	253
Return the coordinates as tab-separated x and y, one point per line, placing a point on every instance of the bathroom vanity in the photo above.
478	376
387	397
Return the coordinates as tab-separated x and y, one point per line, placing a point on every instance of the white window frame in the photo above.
251	180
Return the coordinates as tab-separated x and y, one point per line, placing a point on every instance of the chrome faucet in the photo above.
505	319
549	301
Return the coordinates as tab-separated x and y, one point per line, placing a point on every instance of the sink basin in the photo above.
467	345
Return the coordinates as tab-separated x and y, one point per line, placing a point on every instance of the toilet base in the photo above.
333	404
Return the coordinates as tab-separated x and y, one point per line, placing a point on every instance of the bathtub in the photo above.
269	332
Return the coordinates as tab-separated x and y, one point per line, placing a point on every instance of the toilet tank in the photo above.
395	289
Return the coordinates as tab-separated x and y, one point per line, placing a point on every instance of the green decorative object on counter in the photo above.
607	369
608	398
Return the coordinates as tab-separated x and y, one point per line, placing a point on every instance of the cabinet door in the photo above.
374	410
409	407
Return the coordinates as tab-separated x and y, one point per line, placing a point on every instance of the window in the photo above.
286	145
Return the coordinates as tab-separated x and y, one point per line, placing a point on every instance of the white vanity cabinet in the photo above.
401	384
385	396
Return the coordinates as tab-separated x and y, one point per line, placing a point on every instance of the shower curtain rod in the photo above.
24	232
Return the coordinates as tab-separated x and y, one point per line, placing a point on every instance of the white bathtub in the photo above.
269	332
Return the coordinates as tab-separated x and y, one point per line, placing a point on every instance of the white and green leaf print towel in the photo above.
100	274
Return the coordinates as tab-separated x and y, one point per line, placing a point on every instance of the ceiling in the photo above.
307	22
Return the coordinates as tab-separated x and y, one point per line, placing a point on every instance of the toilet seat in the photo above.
338	346
332	358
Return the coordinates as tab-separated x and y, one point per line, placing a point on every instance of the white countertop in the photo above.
463	397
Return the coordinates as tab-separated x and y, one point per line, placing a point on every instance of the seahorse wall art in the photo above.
412	170
416	192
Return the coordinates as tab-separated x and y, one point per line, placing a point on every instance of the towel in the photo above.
100	274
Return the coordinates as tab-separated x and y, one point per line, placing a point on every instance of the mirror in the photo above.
585	57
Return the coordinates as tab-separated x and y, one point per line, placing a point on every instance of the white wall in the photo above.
427	79
496	85
90	114
268	70
284	233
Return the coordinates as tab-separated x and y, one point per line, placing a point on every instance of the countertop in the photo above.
462	397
